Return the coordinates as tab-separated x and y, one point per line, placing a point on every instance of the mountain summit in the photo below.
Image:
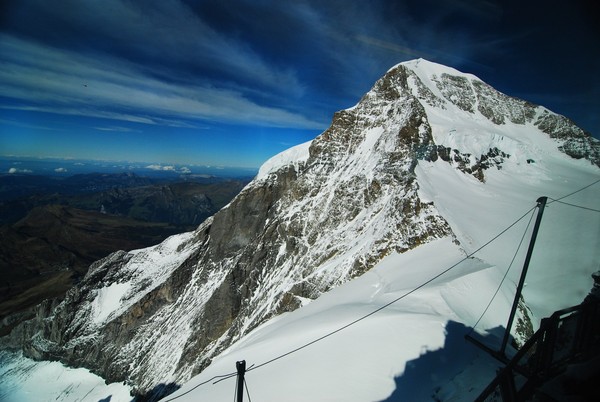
427	167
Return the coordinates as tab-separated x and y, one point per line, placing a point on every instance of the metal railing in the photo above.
567	336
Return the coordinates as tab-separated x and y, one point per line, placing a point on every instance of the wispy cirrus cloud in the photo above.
155	32
16	123
52	80
117	129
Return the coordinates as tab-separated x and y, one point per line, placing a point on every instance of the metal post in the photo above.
241	370
541	205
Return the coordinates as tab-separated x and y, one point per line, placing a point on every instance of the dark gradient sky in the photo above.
234	82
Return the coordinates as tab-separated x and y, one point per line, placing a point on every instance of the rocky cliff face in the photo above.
315	217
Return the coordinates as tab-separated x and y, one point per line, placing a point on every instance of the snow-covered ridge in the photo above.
427	70
144	271
427	65
293	155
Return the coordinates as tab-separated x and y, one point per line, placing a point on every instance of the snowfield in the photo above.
361	362
25	380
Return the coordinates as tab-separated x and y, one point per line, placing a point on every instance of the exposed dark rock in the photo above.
499	108
457	90
576	143
465	162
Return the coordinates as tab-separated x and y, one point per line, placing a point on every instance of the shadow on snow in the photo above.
429	376
157	393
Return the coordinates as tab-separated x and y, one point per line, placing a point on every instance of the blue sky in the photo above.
234	82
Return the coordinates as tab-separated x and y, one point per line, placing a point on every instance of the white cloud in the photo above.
61	170
166	168
13	170
170	168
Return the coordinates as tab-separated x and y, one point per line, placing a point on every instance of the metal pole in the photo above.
241	370
541	205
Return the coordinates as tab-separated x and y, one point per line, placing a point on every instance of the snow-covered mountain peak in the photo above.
450	109
424	110
428	70
430	161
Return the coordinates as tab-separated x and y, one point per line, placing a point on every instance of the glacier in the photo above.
423	171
